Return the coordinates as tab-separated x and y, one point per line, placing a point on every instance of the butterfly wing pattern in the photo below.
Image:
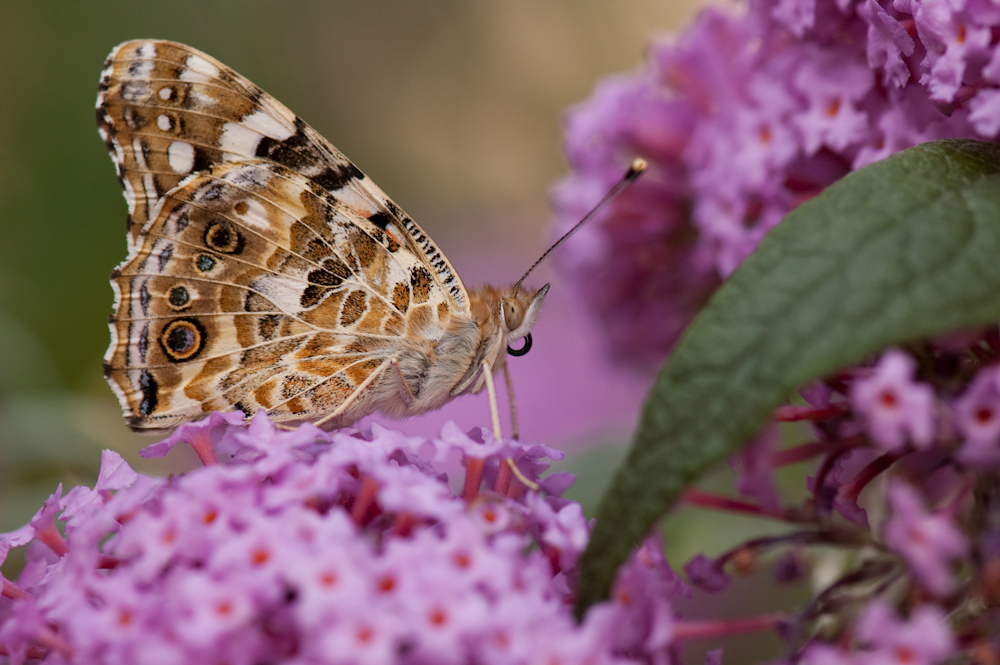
265	271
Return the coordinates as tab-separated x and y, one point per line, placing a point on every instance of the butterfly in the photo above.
265	272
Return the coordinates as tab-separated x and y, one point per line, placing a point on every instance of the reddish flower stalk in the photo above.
473	477
50	639
364	500
713	501
109	562
403	524
504	476
757	545
868	474
801	453
14	592
791	414
53	539
844	445
202	444
705	630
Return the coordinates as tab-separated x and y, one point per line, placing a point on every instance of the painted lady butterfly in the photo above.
265	271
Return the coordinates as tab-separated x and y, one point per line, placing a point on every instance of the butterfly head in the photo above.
519	310
506	316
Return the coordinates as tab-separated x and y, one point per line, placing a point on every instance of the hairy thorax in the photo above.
441	364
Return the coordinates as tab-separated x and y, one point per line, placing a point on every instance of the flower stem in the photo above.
403	525
868	474
791	414
706	630
473	477
515	489
713	501
50	536
800	453
841	448
202	444
363	501
14	592
52	640
109	562
504	475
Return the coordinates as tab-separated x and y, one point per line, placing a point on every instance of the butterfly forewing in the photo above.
265	271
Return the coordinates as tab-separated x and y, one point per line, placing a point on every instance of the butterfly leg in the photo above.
492	392
404	388
508	469
514	431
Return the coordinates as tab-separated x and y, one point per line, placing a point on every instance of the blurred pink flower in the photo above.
743	116
977	416
929	542
896	408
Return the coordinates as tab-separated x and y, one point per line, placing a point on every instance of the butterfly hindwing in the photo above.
254	287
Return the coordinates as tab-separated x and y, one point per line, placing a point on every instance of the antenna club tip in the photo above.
636	168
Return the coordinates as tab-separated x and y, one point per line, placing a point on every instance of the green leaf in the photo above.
905	248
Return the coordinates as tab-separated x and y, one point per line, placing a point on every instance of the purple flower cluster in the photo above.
906	453
924	639
742	117
312	547
898	412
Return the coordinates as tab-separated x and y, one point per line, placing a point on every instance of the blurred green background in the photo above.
453	108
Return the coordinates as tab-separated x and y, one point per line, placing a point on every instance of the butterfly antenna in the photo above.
634	171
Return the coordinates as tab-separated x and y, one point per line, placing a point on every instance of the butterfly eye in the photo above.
513	313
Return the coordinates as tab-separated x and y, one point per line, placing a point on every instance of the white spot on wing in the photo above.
110	66
284	292
150	187
129	194
119	158
199	70
239	140
394	233
146	53
112	324
134	90
181	156
242	138
140	156
268	125
362	205
163	122
199	97
166	93
256	214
